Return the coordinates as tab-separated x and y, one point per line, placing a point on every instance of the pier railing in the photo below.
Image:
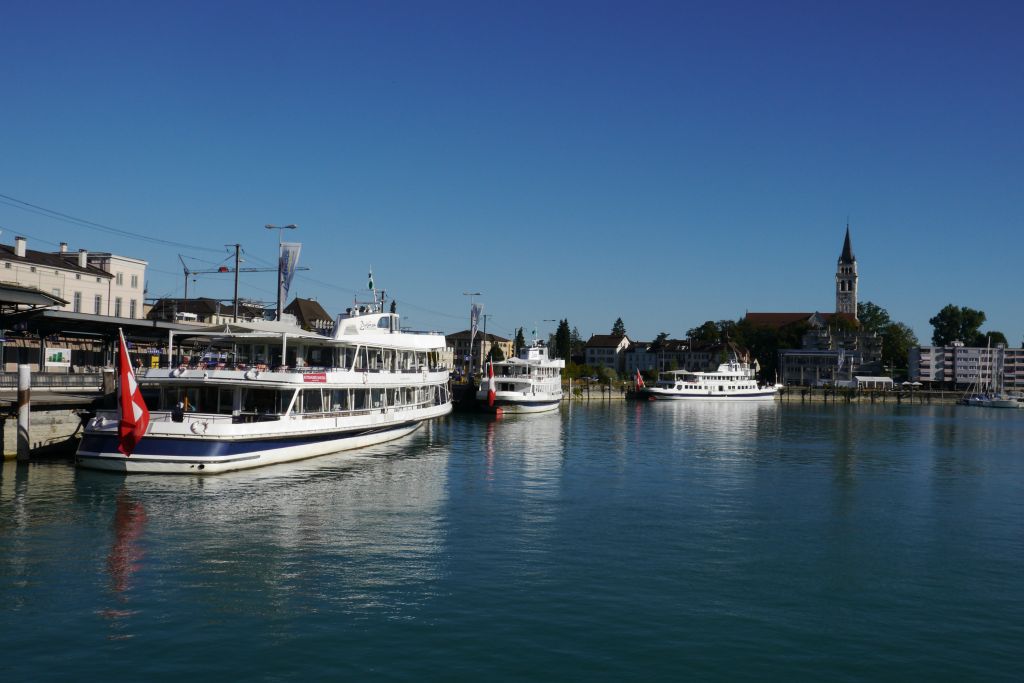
55	380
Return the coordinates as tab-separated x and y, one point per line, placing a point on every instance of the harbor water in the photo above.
611	542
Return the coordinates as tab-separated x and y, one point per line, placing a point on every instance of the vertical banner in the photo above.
474	322
289	259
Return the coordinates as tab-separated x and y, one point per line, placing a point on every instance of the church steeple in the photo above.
846	279
847	255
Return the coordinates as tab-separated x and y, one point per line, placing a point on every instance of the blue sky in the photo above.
668	163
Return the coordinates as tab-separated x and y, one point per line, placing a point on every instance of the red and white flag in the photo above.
490	385
134	415
639	379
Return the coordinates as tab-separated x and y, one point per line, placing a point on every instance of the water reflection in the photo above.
356	530
126	551
124	560
722	430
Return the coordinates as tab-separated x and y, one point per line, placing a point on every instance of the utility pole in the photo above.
238	250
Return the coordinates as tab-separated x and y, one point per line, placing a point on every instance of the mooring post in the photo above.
24	410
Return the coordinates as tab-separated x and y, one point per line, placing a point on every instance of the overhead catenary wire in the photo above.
53	214
29	207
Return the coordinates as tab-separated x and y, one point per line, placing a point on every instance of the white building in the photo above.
968	366
606	351
97	283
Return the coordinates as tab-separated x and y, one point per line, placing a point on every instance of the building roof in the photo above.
464	334
13	296
604	341
307	311
779	320
847	255
67	261
202	307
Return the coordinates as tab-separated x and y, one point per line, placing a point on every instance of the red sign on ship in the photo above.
317	377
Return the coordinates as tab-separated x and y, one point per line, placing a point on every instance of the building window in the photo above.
117	307
135	281
99	279
78	276
120	279
32	269
7	266
77	308
98	304
131	308
56	291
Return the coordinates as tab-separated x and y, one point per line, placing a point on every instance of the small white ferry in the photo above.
530	383
284	394
733	381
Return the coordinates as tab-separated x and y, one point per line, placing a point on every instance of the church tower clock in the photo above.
846	280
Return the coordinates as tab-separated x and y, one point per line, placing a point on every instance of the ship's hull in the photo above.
211	453
516	402
669	395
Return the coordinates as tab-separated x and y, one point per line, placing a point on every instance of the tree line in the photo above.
952	323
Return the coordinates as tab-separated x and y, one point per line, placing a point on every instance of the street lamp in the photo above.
280	252
469	363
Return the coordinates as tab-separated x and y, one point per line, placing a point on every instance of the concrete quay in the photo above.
56	422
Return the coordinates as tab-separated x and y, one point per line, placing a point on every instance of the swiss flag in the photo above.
490	385
639	379
134	415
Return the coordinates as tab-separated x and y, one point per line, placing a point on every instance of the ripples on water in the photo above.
637	541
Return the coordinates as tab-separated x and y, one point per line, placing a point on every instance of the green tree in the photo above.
954	323
705	335
764	342
563	340
872	317
575	342
897	340
660	339
993	338
495	354
619	328
520	342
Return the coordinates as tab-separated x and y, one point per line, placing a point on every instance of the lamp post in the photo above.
280	250
469	363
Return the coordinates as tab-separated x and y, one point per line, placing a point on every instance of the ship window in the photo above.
361	364
360	399
261	401
376	398
312	402
339	399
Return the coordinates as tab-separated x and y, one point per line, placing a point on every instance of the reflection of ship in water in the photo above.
525	459
341	528
726	426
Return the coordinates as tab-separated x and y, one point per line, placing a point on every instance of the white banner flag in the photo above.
474	322
289	260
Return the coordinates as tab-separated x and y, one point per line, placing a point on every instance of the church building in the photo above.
832	352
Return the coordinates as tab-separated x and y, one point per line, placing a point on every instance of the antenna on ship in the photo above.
370	286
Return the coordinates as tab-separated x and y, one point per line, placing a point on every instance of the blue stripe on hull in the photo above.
95	444
679	397
502	404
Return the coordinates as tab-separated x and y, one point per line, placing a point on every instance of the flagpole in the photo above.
280	252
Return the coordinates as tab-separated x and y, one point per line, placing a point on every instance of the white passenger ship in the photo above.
294	395
733	381
530	383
